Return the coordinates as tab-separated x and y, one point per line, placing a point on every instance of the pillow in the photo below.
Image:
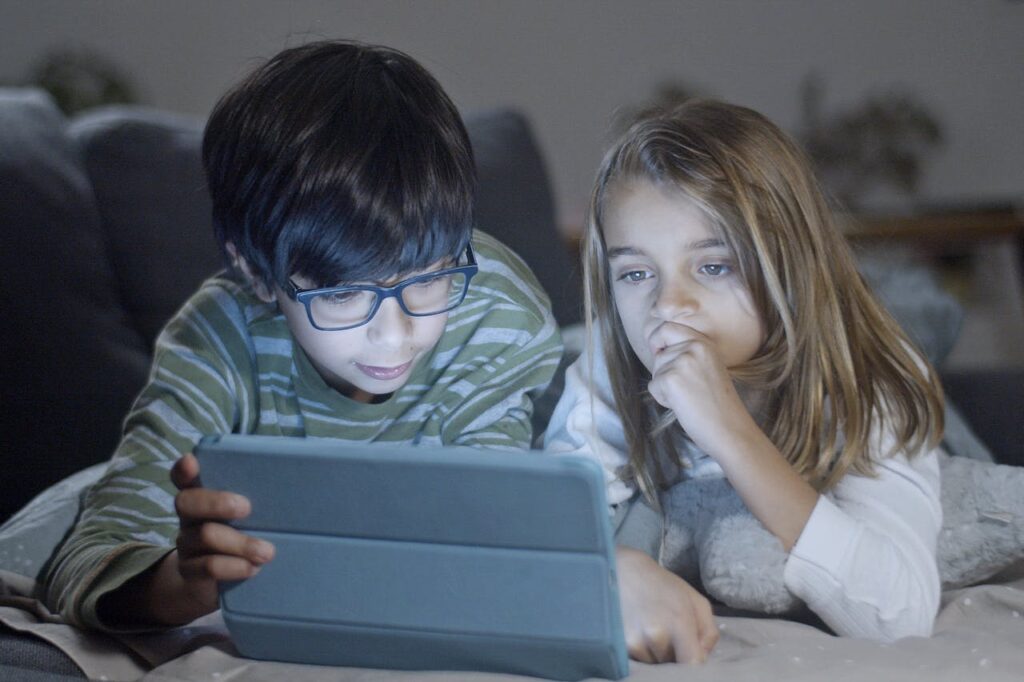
514	204
151	193
72	361
909	288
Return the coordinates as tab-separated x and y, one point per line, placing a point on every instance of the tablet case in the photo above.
434	558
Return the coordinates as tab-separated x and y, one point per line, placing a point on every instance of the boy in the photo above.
342	181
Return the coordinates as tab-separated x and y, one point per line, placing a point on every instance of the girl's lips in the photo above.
384	373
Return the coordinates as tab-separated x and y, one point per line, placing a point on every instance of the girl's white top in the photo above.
865	561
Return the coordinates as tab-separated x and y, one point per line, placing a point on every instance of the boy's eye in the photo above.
440	281
340	297
715	269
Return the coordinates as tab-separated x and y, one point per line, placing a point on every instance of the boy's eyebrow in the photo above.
711	243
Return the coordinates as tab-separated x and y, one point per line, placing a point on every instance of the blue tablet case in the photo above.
422	558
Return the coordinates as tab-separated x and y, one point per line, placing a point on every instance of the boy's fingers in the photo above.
217	538
195	505
185	472
217	567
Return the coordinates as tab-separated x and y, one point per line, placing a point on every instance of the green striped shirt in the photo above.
227	363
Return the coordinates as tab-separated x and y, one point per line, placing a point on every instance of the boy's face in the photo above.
372	360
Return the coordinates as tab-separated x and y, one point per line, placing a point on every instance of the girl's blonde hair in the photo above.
833	362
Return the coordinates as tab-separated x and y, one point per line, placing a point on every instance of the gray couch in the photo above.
106	231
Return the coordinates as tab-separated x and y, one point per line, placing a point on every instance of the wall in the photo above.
572	65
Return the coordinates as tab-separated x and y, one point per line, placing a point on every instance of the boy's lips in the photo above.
384	373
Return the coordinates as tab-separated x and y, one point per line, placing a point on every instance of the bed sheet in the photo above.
979	636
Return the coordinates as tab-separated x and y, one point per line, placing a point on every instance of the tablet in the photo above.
422	558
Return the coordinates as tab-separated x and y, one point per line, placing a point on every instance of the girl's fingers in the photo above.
686	643
673	333
707	626
708	639
660	646
637	649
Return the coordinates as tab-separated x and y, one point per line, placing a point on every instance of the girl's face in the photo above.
669	270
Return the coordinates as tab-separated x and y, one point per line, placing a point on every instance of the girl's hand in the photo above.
664	619
689	378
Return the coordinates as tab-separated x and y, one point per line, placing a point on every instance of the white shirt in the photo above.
865	561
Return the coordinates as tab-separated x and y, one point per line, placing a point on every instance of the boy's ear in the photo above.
263	292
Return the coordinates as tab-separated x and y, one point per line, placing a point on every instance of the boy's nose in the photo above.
675	301
390	327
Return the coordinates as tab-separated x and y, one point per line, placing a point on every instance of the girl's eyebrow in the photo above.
624	251
712	243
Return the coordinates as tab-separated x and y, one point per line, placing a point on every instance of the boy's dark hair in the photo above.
340	162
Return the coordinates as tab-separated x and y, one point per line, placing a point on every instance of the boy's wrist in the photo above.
155	598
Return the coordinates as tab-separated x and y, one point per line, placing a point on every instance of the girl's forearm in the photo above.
768	484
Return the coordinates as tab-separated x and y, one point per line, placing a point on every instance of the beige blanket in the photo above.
979	637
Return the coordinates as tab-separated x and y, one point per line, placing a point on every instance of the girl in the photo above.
732	335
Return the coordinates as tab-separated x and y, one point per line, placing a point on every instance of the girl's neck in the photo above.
755	400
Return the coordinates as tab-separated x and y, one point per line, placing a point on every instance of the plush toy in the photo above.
710	535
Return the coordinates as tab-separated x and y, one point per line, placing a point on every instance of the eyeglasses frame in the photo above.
306	296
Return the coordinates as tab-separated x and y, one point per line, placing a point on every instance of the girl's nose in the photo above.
390	327
674	301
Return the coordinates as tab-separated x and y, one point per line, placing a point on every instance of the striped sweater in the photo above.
227	363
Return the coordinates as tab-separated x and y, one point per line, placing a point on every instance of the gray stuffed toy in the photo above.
711	538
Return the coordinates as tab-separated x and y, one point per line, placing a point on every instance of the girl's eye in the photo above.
634	276
715	269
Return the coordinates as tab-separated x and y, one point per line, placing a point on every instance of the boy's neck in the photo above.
361	396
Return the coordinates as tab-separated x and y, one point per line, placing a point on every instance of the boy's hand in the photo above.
663	617
183	586
209	550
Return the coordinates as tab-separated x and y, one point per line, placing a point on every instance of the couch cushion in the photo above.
150	188
514	203
908	286
71	361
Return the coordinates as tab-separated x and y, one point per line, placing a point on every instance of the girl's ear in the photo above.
263	292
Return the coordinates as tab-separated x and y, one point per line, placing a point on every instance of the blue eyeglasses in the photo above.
346	307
